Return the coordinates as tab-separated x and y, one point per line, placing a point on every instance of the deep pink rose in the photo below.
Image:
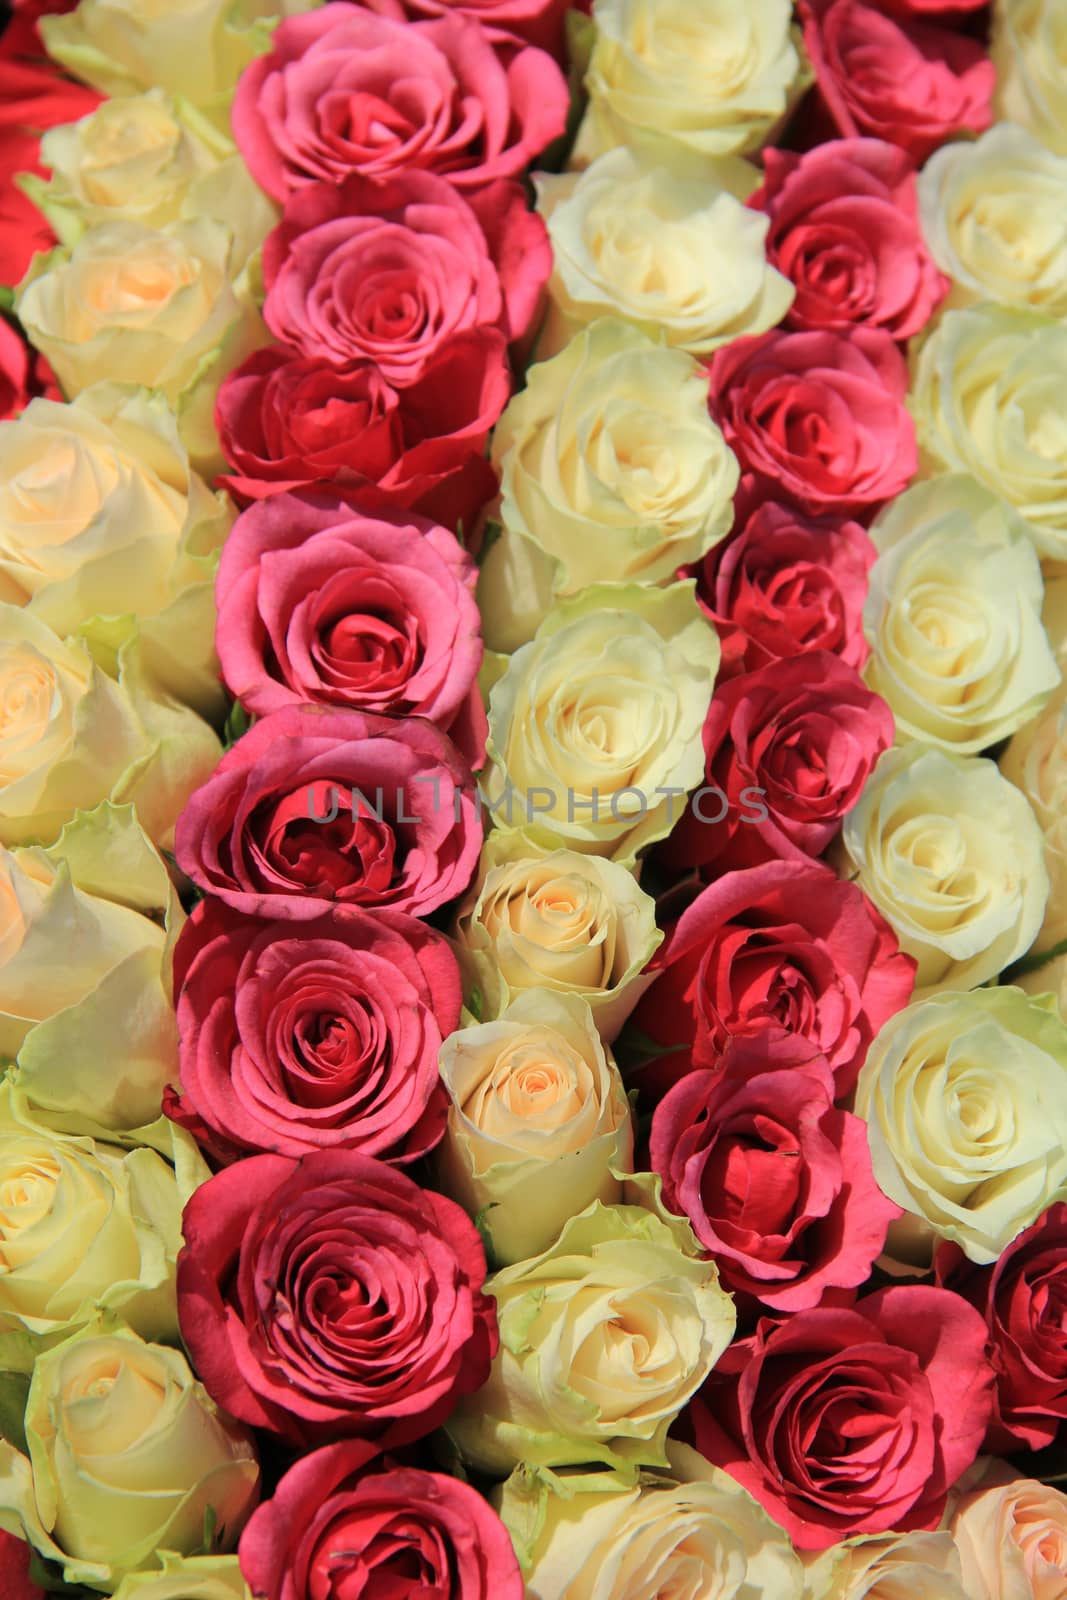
344	91
333	1529
540	22
15	1581
843	1421
1023	1298
844	227
320	604
312	808
288	422
392	272
14	372
333	1296
788	751
783	584
318	1037
776	1182
910	83
780	946
818	418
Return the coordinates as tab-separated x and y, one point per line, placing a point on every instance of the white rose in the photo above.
953	617
965	1099
1036	762
952	856
1029	51
187	1578
1011	1534
681	256
888	1566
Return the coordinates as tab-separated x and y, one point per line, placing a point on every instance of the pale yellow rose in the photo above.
128	1457
149	306
953	617
102	516
1054	610
1011	1533
987	399
952	856
539	1124
691	1531
888	1566
570	923
965	1100
604	1338
194	48
1029	51
1036	762
679	255
71	736
187	1578
678	79
611	470
151	159
994	212
594	728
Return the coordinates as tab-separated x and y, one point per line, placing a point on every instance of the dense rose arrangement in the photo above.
532	889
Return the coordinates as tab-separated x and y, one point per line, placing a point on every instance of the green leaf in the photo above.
236	726
7	297
492	533
476	1003
14	1387
1034	962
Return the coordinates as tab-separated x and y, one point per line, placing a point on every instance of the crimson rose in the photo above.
322	1037
15	1581
777	1183
333	1296
314	808
843	1421
32	99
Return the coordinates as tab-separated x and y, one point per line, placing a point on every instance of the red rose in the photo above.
311	809
14	372
538	21
288	422
333	1529
32	99
392	272
817	418
907	82
781	946
319	604
332	1296
843	1422
844	227
783	584
344	91
318	1037
1023	1298
788	751
15	1582
777	1183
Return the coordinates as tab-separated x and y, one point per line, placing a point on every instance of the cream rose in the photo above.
594	728
187	1578
570	923
70	736
1011	1534
678	79
611	470
953	617
145	306
681	256
128	1457
604	1337
691	1532
102	516
1036	762
987	399
965	1099
1029	51
146	158
889	1566
1049	981
994	212
539	1124
952	856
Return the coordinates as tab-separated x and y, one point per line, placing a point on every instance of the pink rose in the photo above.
538	21
333	1296
782	946
391	272
343	91
909	83
14	372
843	1422
777	1183
817	418
319	604
288	422
318	1037
312	808
844	227
783	584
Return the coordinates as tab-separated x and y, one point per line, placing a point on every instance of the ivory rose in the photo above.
888	1566
1011	1534
1029	50
1036	762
